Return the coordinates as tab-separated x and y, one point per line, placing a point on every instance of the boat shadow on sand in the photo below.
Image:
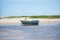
28	25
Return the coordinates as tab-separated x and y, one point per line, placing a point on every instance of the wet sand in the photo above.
38	32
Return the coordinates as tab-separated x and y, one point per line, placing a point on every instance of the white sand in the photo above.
17	20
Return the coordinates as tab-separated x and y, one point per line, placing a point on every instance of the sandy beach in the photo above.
17	20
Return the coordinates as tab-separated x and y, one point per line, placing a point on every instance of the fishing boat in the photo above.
32	22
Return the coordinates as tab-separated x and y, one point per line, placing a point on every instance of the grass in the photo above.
53	16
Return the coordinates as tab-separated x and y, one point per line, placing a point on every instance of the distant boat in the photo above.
32	22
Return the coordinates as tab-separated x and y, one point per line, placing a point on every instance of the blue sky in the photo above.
29	7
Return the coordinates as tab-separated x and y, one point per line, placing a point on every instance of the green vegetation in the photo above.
53	16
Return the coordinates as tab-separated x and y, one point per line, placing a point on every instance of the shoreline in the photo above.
17	20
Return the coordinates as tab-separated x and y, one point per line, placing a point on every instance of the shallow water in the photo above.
30	32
